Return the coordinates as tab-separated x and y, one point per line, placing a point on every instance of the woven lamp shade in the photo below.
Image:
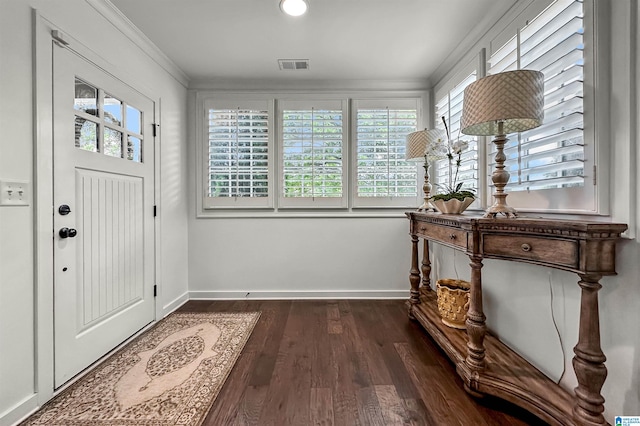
417	142
515	98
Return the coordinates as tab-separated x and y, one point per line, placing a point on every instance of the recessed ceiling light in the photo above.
294	7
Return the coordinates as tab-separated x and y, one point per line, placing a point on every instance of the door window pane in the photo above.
134	118
112	110
133	149
86	97
122	123
86	134
112	142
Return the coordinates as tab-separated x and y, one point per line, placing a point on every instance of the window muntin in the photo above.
383	177
238	155
312	154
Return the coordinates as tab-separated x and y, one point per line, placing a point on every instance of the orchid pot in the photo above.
453	205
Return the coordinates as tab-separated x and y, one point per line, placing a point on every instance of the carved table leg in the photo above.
589	359
414	275
426	267
476	328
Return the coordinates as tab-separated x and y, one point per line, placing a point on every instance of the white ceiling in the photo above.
343	39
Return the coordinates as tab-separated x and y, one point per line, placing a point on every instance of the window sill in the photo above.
354	213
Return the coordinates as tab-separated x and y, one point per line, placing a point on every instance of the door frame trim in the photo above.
43	199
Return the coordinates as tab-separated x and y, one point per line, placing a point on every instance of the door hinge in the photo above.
595	176
155	129
155	211
59	37
155	290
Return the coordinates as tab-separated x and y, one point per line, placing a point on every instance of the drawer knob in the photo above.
526	247
452	236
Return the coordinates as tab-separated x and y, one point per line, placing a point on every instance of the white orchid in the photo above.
453	152
459	146
436	150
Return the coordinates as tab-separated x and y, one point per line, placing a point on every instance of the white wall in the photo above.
298	257
305	254
298	254
84	21
17	355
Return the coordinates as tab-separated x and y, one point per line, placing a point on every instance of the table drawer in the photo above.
443	234
543	250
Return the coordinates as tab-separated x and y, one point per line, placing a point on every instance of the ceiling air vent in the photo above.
293	64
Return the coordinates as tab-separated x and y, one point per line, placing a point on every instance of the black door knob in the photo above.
64	210
67	233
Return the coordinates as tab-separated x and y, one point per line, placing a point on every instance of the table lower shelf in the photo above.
507	375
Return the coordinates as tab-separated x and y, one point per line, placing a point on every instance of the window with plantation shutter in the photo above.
449	106
552	156
383	177
238	156
312	154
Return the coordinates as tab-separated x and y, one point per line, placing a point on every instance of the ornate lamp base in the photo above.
426	207
426	188
500	177
500	207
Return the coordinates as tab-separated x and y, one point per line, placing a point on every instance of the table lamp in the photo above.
423	145
499	104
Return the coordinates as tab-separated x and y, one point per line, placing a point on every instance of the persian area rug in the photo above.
170	375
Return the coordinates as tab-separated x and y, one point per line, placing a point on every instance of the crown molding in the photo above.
112	14
280	85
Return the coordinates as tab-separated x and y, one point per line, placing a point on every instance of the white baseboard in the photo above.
286	295
20	411
175	304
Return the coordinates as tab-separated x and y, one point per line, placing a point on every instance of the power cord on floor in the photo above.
555	324
455	269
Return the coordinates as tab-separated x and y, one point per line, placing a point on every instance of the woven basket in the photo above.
453	301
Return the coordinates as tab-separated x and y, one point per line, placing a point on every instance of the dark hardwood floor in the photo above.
345	362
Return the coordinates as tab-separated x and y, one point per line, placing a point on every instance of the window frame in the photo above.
202	98
213	203
582	199
383	202
311	202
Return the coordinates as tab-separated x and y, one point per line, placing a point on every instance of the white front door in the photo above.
103	160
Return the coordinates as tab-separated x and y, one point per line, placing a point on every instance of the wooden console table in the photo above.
485	364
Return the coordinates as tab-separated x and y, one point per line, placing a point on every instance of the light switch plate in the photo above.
14	193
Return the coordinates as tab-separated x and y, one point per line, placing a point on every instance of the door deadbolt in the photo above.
67	233
64	210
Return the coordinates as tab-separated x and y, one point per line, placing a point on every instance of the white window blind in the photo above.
312	155
238	157
552	155
381	169
449	106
